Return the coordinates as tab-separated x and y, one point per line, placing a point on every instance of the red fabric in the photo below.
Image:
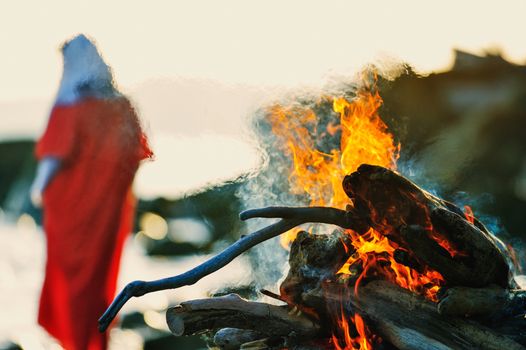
88	211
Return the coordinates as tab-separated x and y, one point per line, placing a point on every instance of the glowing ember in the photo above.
444	243
468	213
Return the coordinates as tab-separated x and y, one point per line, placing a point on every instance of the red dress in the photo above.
88	211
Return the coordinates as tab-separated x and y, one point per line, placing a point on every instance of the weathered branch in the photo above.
324	215
139	288
292	218
197	316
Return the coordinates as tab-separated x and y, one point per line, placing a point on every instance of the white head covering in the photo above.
85	72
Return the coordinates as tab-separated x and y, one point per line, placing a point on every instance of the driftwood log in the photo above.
409	322
490	302
418	223
402	318
414	218
405	320
232	311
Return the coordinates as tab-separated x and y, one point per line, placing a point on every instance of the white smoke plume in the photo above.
269	185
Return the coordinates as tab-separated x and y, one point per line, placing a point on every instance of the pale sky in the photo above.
255	42
194	67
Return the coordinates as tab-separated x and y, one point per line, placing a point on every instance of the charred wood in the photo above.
493	302
412	217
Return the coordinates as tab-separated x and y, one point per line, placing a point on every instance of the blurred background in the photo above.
454	90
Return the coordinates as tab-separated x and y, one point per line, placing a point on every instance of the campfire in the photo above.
400	268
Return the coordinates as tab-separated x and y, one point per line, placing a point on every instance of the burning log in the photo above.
409	322
433	230
402	318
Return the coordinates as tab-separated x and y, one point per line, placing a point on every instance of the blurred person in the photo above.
88	156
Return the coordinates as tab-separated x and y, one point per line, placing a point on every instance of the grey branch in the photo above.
291	217
323	215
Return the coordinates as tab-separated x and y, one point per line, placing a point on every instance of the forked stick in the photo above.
291	217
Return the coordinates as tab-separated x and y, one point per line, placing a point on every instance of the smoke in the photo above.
269	184
436	171
436	167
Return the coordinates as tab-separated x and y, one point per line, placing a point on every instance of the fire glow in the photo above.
364	138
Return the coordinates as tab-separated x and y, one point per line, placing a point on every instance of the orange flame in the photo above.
288	237
360	342
373	247
447	245
364	138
